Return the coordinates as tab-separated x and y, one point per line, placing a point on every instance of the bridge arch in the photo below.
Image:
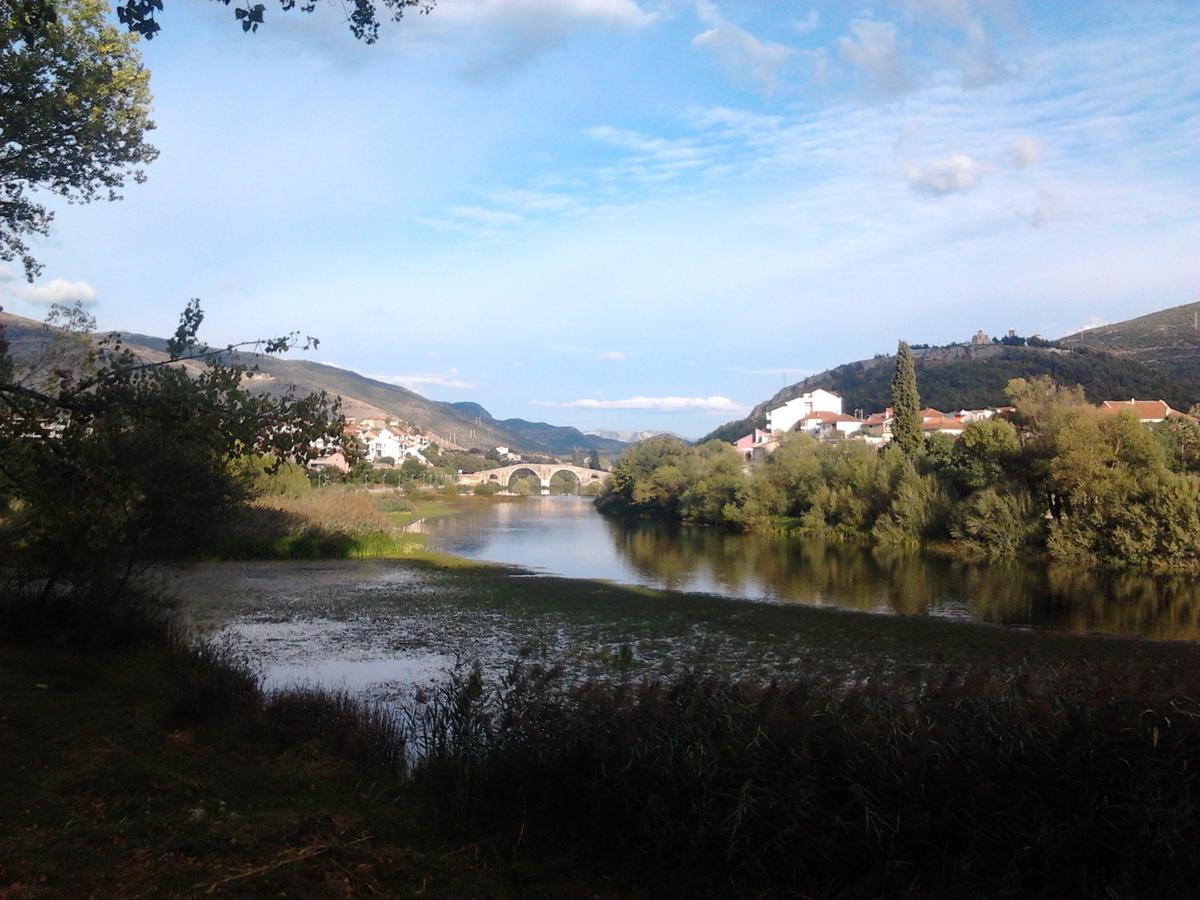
504	475
519	471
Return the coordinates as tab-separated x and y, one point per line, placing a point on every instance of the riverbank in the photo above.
986	762
338	522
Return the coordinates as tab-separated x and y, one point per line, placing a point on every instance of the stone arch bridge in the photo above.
542	471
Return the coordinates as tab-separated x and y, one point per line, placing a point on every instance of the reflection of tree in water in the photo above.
854	576
789	569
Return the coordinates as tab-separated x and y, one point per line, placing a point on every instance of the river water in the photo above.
564	535
385	630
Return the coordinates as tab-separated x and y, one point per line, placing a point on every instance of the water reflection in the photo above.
567	537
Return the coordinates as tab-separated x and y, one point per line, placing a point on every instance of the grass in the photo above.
996	763
334	523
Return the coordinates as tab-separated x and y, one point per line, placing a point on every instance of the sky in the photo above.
649	214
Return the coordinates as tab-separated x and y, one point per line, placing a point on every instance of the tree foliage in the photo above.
362	16
906	403
74	113
107	459
1061	478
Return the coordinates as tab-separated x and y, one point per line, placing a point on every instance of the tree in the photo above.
906	404
74	113
107	459
593	460
139	16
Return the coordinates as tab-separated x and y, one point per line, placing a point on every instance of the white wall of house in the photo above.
386	443
782	418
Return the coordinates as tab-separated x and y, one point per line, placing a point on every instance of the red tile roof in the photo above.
1145	410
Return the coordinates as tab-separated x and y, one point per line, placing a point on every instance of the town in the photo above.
819	413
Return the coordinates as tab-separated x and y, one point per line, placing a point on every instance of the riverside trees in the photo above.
1061	478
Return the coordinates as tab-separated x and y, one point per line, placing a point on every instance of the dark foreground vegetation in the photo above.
138	761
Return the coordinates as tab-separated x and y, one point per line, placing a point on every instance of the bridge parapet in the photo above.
542	471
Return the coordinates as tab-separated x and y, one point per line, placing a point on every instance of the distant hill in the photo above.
1168	341
1151	358
629	437
557	439
463	425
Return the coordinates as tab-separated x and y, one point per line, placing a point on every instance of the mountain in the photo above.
1168	340
1149	357
556	439
629	437
462	425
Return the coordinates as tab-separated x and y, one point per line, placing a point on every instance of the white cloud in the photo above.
977	58
603	355
957	174
427	379
876	48
533	201
739	51
1050	208
56	290
810	22
513	33
980	63
1092	322
7	274
656	404
485	216
1024	152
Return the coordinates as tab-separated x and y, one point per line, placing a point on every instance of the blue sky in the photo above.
641	214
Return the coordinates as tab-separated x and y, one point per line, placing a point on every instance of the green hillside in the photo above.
967	377
467	425
1168	340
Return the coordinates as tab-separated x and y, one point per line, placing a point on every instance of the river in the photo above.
736	603
565	536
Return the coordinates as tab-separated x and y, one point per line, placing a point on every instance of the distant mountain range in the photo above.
461	425
1156	356
629	437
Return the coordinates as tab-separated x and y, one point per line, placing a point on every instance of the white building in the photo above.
829	424
384	443
783	418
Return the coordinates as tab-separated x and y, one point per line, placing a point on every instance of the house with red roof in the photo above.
1148	412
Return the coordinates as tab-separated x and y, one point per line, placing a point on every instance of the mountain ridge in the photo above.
1118	361
362	397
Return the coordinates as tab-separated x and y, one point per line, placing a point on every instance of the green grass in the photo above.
335	523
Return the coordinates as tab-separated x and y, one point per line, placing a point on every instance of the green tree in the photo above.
906	404
362	16
116	459
74	113
593	459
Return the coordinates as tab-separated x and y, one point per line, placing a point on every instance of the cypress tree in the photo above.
906	403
